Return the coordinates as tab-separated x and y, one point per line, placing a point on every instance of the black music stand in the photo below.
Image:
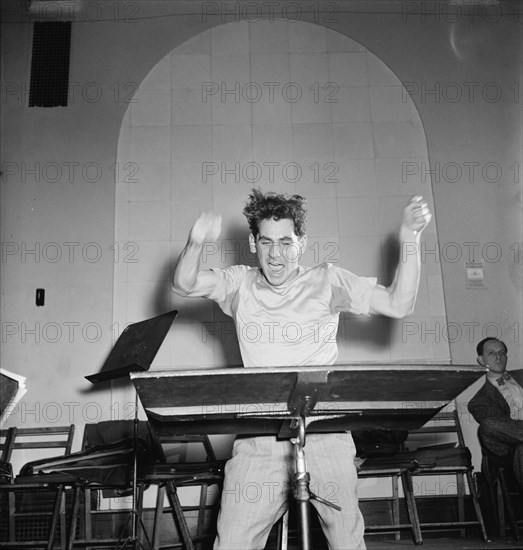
289	401
134	351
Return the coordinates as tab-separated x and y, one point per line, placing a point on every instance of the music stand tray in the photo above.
135	348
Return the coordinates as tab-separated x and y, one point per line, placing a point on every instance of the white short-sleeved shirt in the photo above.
293	324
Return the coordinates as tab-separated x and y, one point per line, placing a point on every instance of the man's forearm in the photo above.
186	271
404	288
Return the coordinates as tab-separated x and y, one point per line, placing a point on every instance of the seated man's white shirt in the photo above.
512	393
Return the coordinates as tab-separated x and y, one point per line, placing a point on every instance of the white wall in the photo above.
113	53
339	123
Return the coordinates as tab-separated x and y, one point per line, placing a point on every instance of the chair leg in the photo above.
395	506
283	532
141	532
172	494
158	516
87	513
60	490
508	504
12	522
460	487
500	506
74	517
63	521
491	486
200	526
408	491
477	507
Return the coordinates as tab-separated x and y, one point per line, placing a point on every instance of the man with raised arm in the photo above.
287	315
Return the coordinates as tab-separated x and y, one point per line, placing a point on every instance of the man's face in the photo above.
494	357
279	250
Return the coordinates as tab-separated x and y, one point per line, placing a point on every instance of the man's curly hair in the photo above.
266	206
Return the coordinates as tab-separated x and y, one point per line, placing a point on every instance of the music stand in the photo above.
134	351
288	402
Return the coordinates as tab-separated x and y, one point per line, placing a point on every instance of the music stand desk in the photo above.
332	398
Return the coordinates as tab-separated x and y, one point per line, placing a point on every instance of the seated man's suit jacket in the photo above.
490	403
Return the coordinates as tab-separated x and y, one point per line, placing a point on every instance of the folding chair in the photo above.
397	467
31	523
448	458
105	469
170	476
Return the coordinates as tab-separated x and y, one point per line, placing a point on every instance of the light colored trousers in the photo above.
258	486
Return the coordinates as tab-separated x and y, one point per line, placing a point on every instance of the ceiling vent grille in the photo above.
50	64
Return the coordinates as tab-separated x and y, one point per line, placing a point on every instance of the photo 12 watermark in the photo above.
77	93
270	92
239	252
69	412
452	172
85	11
270	10
68	172
69	252
253	172
469	252
461	92
470	332
460	11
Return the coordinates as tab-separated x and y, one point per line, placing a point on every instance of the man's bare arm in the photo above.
398	299
189	278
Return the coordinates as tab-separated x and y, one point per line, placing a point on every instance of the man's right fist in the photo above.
206	228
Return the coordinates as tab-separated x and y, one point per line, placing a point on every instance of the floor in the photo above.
373	543
431	541
446	544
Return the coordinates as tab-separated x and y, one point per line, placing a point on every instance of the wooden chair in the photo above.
447	458
37	438
393	469
188	469
105	470
24	496
89	495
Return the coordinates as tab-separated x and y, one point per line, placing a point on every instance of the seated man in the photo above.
498	407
